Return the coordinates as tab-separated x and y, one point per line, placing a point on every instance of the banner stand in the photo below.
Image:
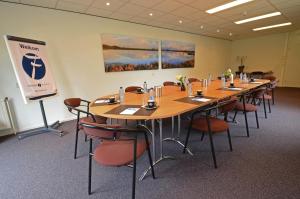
34	76
47	128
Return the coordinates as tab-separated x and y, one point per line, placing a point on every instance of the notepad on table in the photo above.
201	99
129	111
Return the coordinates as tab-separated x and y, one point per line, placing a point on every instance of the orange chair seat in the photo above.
118	152
248	107
216	125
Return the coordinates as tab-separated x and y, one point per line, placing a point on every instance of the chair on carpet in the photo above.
211	125
117	150
132	88
262	95
169	83
271	86
245	107
74	106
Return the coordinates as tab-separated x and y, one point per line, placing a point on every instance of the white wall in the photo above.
75	54
278	53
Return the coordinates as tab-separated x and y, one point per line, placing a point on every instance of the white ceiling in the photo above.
168	13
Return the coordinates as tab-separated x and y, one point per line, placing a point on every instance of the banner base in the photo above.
45	129
50	129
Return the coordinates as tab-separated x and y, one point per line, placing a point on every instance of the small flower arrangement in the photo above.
181	80
227	73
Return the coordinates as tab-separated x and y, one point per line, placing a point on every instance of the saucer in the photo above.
111	103
148	108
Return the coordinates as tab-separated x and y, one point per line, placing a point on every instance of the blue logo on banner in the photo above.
33	66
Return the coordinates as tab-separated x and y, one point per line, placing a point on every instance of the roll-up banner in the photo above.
31	67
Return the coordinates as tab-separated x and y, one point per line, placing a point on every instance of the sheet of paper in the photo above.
234	89
129	111
201	99
101	101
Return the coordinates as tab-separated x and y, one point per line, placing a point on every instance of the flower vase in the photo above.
182	87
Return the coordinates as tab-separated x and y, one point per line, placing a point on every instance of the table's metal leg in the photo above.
177	139
179	127
153	140
173	126
161	154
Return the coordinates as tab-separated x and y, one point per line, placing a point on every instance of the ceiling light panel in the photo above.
272	26
273	14
227	6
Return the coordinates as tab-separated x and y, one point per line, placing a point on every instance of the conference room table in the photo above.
172	103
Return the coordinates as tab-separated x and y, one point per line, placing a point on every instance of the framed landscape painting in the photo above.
128	53
177	54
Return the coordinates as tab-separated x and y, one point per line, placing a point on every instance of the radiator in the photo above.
6	120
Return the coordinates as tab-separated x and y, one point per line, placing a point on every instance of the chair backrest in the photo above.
73	105
258	93
228	105
191	80
168	83
105	131
270	77
132	88
101	131
73	102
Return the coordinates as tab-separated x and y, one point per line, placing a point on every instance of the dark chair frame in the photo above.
243	100
135	131
207	112
76	111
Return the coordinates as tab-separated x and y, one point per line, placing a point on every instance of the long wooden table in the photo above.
171	104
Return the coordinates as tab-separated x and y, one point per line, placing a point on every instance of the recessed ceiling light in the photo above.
230	34
273	14
107	3
218	30
151	14
272	26
227	5
180	21
202	27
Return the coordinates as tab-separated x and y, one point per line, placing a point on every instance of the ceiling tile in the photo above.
146	3
83	2
167	5
131	9
185	11
146	14
185	1
114	4
71	6
43	3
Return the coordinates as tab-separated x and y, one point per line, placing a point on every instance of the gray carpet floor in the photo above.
266	165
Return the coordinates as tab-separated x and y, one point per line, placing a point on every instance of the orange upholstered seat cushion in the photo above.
248	107
118	152
216	125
